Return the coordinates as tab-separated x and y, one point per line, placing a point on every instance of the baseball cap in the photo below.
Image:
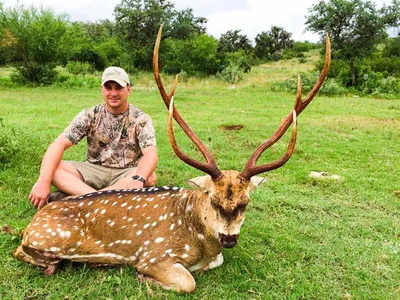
116	74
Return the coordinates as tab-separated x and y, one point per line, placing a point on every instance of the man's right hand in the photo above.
40	194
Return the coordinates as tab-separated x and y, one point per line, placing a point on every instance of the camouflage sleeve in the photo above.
78	128
145	132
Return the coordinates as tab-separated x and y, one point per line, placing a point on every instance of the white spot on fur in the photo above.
172	226
159	240
139	232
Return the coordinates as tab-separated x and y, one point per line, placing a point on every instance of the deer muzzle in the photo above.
228	241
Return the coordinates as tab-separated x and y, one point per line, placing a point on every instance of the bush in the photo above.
231	74
375	83
329	88
8	145
35	74
75	67
32	42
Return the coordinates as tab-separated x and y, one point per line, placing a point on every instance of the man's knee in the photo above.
63	169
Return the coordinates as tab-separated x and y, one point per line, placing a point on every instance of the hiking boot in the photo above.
56	196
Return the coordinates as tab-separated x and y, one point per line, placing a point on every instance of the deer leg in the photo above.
175	277
218	261
45	259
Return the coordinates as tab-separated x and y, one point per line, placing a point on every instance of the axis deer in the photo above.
165	232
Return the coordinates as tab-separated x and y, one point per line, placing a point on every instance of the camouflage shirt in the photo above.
114	141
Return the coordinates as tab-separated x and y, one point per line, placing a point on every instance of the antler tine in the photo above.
210	167
251	169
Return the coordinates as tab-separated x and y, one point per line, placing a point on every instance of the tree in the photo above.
197	56
185	25
233	41
355	28
272	41
32	39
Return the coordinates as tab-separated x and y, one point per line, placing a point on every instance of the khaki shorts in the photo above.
99	177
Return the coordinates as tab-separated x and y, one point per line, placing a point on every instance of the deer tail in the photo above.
10	230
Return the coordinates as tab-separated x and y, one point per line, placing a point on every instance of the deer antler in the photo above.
251	169
210	167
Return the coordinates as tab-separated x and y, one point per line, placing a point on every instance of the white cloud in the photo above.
250	16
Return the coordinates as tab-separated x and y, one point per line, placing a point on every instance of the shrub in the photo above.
329	88
32	41
35	74
231	74
8	145
75	67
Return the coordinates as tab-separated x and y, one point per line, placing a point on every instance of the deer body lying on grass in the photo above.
165	232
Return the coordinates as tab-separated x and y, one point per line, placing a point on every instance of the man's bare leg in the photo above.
124	183
68	180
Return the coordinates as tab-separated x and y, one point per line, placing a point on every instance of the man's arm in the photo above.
52	158
146	165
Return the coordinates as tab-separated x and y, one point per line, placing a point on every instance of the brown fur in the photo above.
164	232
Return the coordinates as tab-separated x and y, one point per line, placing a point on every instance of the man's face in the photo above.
116	96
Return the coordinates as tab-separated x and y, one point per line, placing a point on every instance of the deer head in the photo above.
229	191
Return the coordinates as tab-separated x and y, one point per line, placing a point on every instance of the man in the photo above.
121	153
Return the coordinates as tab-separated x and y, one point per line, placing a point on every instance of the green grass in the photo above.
303	238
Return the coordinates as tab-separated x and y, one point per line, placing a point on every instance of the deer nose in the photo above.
228	241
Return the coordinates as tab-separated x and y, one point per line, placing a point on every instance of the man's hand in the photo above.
40	194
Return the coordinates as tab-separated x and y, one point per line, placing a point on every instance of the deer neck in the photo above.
199	214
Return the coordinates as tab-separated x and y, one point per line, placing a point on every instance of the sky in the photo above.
251	17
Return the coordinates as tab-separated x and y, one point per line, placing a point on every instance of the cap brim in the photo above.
117	80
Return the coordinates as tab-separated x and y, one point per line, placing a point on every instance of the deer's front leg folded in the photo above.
170	277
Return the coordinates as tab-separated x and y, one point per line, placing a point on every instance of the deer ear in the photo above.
203	183
255	181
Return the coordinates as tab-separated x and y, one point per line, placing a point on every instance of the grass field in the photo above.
303	237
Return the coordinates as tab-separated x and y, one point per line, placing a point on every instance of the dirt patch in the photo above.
232	127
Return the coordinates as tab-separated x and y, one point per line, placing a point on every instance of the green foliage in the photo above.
392	47
197	56
298	50
79	68
231	74
331	87
9	146
32	39
355	28
66	79
270	42
375	83
34	74
137	23
233	41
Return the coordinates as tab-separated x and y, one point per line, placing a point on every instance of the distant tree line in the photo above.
35	41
